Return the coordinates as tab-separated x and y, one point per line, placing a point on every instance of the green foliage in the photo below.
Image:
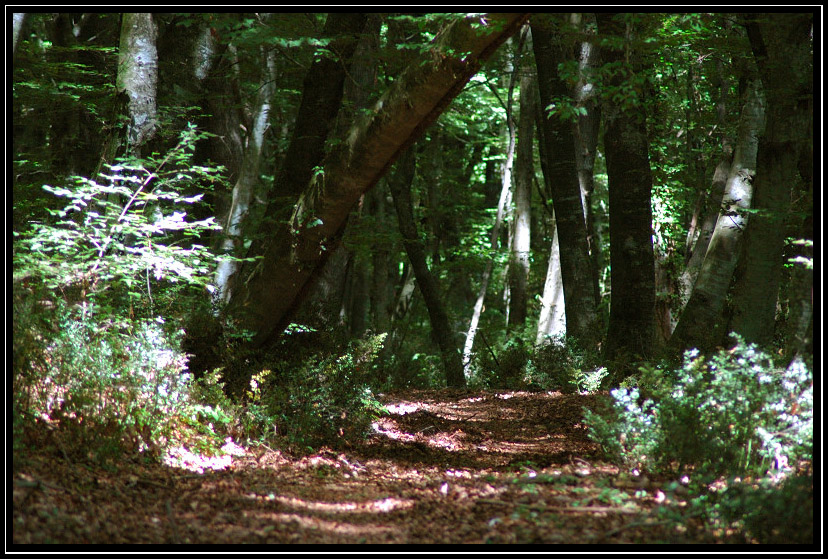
107	386
120	238
563	365
553	365
320	401
770	512
732	413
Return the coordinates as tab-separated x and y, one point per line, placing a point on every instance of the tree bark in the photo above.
563	185
18	20
233	242
400	185
782	51
699	325
586	140
630	334
504	200
275	286
522	222
138	76
552	319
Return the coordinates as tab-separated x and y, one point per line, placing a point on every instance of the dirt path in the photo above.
446	467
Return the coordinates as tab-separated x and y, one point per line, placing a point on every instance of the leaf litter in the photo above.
443	467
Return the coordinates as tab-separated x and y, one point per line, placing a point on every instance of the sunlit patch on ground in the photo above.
182	457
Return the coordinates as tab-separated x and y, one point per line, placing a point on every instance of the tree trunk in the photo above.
586	140
563	184
18	20
138	76
400	185
552	319
522	222
233	242
503	203
276	284
706	212
782	51
630	334
699	325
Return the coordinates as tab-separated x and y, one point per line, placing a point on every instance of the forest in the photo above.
411	278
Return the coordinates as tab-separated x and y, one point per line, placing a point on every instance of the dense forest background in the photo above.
255	222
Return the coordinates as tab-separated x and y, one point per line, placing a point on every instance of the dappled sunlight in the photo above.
378	506
314	523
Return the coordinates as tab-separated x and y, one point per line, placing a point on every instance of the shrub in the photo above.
91	355
732	413
560	364
771	513
112	387
506	369
321	401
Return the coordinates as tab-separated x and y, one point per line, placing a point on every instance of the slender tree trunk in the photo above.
781	47
631	324
504	201
274	287
233	242
400	185
522	222
552	319
586	140
699	325
563	184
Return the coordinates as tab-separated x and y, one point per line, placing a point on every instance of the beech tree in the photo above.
782	51
697	326
631	322
552	50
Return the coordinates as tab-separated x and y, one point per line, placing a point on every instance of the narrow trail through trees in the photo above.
445	467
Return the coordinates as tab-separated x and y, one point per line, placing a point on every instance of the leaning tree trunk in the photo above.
782	51
400	184
699	325
275	286
632	304
562	181
503	202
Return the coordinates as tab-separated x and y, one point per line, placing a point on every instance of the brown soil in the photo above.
446	467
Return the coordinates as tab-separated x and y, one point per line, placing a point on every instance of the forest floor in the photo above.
446	467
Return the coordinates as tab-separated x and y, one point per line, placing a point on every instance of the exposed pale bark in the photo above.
699	324
632	305
552	319
586	138
400	185
561	177
138	76
18	20
503	204
249	177
706	211
780	44
522	221
276	284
